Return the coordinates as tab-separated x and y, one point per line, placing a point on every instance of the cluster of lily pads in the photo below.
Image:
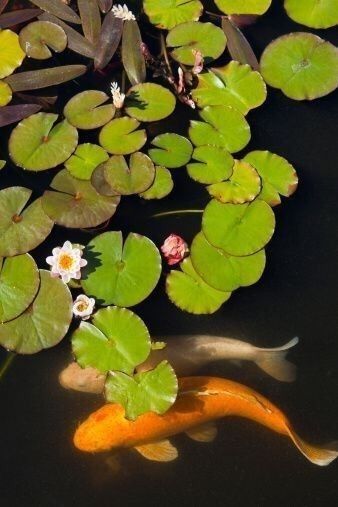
36	309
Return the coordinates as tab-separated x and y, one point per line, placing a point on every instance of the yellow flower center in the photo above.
81	307
66	261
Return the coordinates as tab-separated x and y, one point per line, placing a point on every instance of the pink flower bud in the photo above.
174	249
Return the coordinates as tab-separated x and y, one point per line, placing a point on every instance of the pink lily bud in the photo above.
174	249
199	62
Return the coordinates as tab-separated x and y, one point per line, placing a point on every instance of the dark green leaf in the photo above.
132	56
91	19
238	46
34	79
58	9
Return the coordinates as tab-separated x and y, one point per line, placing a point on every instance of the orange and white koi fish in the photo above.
201	401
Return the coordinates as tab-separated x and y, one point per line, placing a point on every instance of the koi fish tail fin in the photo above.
273	362
321	456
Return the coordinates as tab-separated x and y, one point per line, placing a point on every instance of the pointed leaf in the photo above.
105	5
17	17
132	56
13	114
34	79
3	4
59	9
238	46
109	40
91	19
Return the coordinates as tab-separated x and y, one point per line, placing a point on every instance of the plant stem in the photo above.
177	212
165	54
6	364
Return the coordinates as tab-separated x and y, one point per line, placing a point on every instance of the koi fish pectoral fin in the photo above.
162	450
204	433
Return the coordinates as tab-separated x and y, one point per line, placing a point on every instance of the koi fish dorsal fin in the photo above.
162	450
204	433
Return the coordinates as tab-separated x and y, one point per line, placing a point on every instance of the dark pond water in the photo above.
246	465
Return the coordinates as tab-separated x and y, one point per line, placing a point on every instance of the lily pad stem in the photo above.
177	212
6	364
165	55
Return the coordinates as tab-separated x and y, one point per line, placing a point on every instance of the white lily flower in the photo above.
83	306
66	262
122	11
118	97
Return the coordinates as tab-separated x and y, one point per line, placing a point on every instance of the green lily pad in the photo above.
11	53
37	37
136	178
238	229
169	13
302	65
21	230
243	6
234	85
36	145
162	186
313	13
99	182
19	283
225	127
215	165
175	150
243	186
192	36
76	204
116	340
5	94
222	271
189	292
149	102
44	323
121	137
85	159
278	175
150	391
85	110
2	164
123	275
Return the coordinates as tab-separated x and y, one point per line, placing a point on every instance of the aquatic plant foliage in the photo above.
169	13
243	6
312	13
11	53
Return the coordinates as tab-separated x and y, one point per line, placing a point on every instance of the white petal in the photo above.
50	260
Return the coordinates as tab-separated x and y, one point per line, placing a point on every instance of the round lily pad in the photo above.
99	182
36	145
136	178
37	37
243	186
171	150
19	283
11	53
85	159
86	110
222	271
150	391
313	13
234	85
44	323
162	185
121	137
243	6
214	165
192	36
189	292
169	13
238	229
21	230
149	102
123	275
75	203
5	94
117	339
224	127
278	175
302	65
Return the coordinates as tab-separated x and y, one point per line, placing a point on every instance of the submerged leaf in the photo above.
122	137
21	229
13	114
109	40
313	13
243	6
105	5
91	19
5	95
150	391
149	102
11	53
132	55
44	323
85	159
3	4
162	185
132	179
302	65
171	150
88	110
186	38
75	203
238	46
36	39
36	144
169	13
123	275
17	17
214	164
116	340
189	292
59	9
35	79
19	283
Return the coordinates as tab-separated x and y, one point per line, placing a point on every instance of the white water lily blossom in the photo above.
83	306
122	12
66	262
118	97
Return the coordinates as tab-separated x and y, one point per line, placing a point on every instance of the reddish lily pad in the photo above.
85	110
21	229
